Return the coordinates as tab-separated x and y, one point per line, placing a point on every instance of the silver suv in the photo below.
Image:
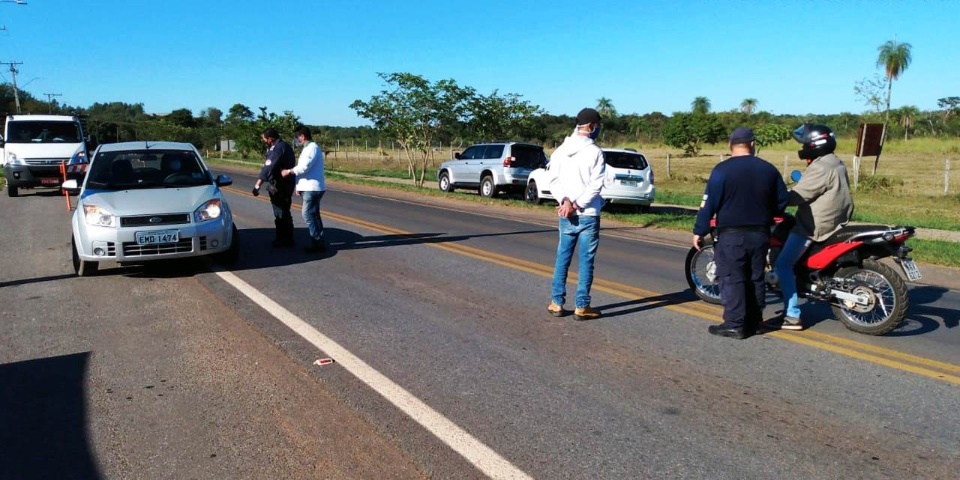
491	168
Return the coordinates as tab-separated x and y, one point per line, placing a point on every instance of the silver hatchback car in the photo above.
148	201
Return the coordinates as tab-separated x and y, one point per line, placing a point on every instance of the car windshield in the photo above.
43	131
629	160
147	169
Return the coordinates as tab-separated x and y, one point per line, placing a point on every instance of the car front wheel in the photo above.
11	190
231	255
82	267
444	182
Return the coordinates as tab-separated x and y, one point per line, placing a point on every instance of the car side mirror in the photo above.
224	180
71	186
456	155
795	176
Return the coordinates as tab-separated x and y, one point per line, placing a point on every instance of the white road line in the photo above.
474	451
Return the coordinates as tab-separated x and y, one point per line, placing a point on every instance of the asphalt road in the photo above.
446	362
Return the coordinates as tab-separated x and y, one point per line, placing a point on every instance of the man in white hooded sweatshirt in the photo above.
577	171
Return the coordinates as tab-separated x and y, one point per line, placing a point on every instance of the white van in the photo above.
34	146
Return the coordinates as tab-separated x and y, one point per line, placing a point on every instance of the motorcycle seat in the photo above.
850	231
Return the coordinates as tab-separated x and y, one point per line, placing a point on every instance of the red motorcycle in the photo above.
868	296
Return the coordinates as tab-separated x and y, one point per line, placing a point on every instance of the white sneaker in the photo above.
791	323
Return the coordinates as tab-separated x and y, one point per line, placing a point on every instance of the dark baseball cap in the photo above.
741	135
588	115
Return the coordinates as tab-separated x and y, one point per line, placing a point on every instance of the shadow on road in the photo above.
647	303
43	419
923	316
256	252
27	281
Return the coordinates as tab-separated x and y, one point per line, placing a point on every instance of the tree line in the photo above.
418	114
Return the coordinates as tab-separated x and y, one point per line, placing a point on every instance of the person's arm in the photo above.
783	196
708	206
265	170
811	185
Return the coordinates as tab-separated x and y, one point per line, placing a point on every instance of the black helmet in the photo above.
817	141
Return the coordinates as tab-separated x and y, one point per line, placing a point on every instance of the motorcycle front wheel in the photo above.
887	293
701	273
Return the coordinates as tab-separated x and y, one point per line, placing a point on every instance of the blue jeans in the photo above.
585	231
792	250
311	214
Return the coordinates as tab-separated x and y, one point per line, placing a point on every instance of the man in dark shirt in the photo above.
745	192
280	188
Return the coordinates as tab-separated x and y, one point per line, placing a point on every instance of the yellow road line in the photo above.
926	367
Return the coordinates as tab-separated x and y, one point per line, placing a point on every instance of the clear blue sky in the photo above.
315	58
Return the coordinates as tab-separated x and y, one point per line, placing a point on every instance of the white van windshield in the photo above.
43	131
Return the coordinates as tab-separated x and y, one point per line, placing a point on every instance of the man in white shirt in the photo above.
577	169
310	186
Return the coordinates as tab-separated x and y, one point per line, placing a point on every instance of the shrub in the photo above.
878	183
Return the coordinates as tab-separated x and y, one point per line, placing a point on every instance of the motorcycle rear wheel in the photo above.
888	304
700	271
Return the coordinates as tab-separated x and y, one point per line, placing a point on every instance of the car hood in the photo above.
43	150
150	201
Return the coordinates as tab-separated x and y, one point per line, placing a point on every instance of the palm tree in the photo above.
748	105
700	105
894	58
908	117
605	108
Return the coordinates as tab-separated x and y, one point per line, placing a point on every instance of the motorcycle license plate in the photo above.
910	269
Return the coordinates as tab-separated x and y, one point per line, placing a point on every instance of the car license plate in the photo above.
628	183
160	236
910	269
49	181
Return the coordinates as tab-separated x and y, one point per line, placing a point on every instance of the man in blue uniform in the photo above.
745	192
280	188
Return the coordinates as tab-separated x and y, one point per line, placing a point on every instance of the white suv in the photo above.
629	180
491	167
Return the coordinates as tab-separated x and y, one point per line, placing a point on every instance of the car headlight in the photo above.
99	217
79	157
208	211
13	160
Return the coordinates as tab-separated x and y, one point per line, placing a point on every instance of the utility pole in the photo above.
50	99
13	73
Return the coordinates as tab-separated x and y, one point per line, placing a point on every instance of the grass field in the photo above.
907	190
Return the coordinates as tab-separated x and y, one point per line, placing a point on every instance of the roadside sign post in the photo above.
869	143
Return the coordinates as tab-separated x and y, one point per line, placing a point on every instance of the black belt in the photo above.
751	229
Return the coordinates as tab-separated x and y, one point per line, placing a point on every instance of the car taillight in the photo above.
508	162
651	177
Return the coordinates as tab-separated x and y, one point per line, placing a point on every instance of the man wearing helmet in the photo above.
824	205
